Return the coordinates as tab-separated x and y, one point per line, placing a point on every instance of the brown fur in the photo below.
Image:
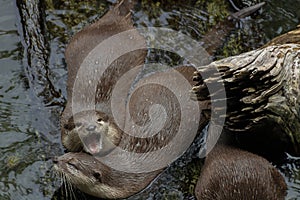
234	174
92	131
83	170
115	21
94	178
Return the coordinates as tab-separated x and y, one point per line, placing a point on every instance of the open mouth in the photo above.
92	143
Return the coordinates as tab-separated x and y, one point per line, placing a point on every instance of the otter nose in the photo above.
91	128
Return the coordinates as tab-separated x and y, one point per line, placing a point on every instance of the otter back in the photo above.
230	174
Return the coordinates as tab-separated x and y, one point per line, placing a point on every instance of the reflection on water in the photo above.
28	130
291	170
33	76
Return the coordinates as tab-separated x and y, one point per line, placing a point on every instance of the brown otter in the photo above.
97	132
115	21
98	127
230	173
76	127
93	131
94	178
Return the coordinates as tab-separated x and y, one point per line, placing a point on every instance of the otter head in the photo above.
91	131
91	176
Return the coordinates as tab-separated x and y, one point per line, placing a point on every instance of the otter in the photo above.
93	129
97	131
115	21
94	178
230	173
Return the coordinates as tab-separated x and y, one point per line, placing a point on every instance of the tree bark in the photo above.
262	93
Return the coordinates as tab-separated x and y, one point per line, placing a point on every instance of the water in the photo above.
33	77
29	129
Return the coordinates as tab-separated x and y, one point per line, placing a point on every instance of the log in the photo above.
262	93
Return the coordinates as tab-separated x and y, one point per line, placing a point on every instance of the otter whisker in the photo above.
66	186
70	188
72	191
67	189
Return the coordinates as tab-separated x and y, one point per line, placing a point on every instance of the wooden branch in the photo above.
262	89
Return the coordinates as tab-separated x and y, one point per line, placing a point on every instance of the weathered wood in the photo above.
262	93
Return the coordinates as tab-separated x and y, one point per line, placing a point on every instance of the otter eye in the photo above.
102	119
97	175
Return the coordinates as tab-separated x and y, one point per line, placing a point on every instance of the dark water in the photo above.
33	36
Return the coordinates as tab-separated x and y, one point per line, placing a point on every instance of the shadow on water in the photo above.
33	36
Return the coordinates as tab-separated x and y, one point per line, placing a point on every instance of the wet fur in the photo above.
230	173
115	21
83	170
93	177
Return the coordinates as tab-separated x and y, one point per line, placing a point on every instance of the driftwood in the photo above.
262	93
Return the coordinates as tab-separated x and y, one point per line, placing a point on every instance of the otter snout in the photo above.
91	128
